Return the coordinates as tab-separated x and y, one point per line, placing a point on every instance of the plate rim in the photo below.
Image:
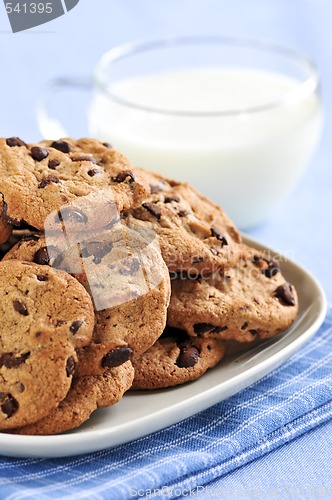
93	440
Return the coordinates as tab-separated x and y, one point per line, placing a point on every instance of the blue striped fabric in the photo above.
283	405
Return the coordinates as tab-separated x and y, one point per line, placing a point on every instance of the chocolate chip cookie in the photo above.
35	378
26	247
84	397
45	315
174	359
195	235
37	180
130	286
128	281
35	297
252	300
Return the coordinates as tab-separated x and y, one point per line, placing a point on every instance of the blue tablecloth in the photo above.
185	457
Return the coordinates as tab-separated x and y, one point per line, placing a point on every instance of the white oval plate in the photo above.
139	414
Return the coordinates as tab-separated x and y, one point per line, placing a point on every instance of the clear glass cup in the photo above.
238	119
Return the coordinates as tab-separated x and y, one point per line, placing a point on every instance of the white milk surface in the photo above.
244	161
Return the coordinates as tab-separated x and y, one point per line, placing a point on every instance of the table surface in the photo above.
302	224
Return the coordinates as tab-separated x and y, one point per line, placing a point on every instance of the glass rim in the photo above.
304	89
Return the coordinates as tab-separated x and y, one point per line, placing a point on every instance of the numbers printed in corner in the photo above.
29	8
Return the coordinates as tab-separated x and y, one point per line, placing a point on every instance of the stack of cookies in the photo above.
114	278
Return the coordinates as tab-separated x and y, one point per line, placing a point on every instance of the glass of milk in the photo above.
238	119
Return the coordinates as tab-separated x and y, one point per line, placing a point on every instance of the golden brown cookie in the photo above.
45	314
86	395
35	379
36	297
26	247
252	300
129	283
16	236
175	359
131	289
37	180
196	237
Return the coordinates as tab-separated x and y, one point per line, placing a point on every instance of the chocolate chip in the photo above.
62	146
75	326
41	277
52	164
244	326
259	261
20	307
72	215
42	257
97	249
9	405
269	267
217	234
169	199
70	366
123	176
84	158
188	357
10	360
183	213
132	269
15	141
107	145
253	332
38	153
116	357
94	172
285	294
60	322
201	328
272	269
196	260
44	254
48	180
219	329
153	209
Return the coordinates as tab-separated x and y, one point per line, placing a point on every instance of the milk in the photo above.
245	161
